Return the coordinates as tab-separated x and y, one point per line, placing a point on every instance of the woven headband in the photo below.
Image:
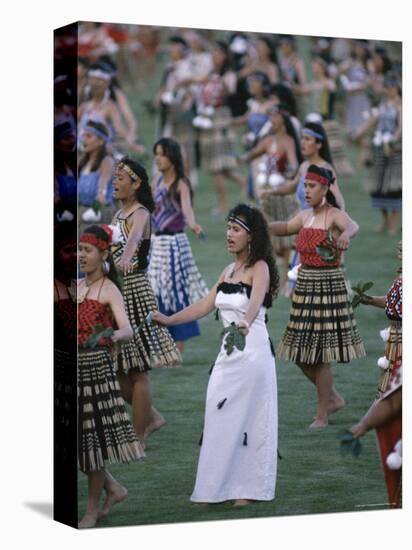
126	168
312	176
310	132
240	222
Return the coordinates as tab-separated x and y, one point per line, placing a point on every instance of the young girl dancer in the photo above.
105	434
152	346
238	457
173	273
321	328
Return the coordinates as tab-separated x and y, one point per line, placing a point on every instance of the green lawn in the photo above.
312	475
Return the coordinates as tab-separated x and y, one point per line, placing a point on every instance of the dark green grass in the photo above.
312	475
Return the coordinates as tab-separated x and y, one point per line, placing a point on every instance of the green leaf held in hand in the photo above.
98	332
234	339
349	444
360	292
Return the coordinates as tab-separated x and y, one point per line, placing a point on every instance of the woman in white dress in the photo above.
238	456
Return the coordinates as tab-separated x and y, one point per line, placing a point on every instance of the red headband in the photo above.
312	176
93	239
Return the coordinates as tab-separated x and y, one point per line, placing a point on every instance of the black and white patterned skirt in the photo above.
105	433
153	346
321	327
173	273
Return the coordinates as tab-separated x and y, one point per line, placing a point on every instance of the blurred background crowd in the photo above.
236	103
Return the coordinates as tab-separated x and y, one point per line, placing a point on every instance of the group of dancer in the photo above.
140	294
241	402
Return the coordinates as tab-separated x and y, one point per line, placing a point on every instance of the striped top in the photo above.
140	257
167	216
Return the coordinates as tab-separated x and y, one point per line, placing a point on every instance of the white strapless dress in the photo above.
238	456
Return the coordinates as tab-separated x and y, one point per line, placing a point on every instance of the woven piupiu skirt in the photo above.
386	175
321	327
105	433
218	144
153	346
391	378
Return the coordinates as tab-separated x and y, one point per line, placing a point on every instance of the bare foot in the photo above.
88	521
115	494
242	502
156	422
317	424
336	405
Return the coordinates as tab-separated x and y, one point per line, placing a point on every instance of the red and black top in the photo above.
90	314
393	306
306	242
78	321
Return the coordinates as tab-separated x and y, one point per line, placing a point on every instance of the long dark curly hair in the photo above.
144	193
260	244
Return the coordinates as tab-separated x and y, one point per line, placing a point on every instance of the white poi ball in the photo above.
293	273
197	121
314	117
207	123
208	110
398	447
261	178
91	216
202	122
394	461
377	139
383	362
66	216
167	98
275	180
384	334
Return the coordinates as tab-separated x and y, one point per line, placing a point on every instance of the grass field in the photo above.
312	475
